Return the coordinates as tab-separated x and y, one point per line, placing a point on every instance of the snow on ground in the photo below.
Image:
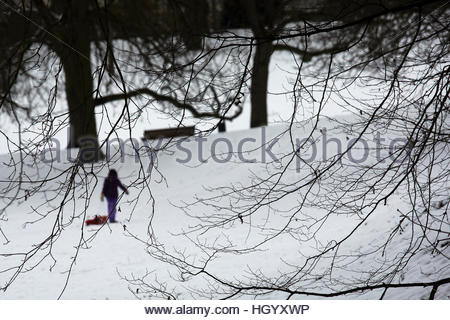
109	254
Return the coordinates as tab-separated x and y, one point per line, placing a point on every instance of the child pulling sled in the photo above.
109	191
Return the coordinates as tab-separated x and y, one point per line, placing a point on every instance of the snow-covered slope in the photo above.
107	255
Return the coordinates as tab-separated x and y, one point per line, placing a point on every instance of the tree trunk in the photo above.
222	126
79	83
260	77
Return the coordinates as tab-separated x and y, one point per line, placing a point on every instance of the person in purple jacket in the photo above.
109	191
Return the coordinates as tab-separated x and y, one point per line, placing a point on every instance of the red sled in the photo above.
97	220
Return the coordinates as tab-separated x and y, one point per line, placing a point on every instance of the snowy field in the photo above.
107	256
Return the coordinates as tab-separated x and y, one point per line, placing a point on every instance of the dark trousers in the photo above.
112	208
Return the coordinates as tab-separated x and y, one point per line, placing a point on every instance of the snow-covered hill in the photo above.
108	255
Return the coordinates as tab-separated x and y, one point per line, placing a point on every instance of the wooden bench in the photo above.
169	133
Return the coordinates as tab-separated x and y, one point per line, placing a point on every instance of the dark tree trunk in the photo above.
79	82
222	126
260	76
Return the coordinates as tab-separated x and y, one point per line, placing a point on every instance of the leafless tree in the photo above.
394	77
81	39
394	52
109	57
